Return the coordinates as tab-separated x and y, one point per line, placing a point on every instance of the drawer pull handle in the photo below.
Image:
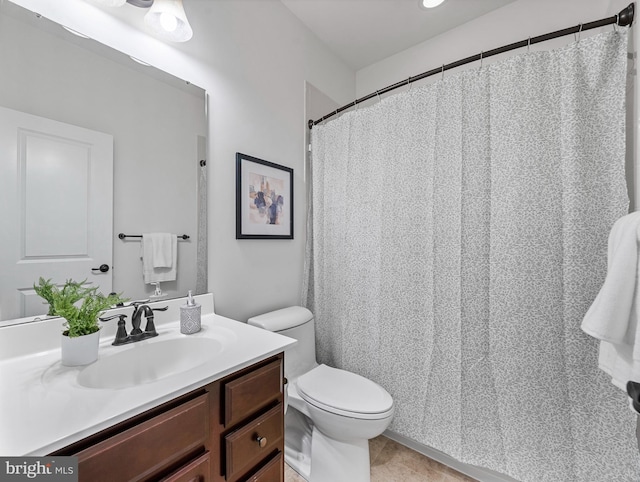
262	441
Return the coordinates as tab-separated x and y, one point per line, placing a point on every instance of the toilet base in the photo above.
333	460
297	442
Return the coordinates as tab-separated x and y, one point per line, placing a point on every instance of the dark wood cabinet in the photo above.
250	424
230	430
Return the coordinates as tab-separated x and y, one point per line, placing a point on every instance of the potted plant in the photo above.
80	306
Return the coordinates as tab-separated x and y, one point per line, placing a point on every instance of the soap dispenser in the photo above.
190	316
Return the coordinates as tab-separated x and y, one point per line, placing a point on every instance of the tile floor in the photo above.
391	462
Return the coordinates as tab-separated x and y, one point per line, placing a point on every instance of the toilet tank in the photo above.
294	322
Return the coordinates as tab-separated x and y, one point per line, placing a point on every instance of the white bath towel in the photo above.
159	253
612	318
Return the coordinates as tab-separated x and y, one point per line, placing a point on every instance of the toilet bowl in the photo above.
331	413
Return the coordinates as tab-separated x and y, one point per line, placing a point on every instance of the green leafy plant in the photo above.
77	303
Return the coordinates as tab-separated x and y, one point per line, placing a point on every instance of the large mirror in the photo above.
68	105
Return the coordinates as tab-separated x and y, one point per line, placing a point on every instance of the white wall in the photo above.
253	58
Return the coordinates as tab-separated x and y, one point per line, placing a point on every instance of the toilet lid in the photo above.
332	388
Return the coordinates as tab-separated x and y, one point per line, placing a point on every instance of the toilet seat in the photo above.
344	393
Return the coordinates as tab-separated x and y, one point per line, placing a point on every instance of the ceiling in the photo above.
362	32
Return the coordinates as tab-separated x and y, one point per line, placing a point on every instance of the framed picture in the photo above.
264	199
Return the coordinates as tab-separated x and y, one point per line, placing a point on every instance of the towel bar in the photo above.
123	236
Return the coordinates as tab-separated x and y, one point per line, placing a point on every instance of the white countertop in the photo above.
43	407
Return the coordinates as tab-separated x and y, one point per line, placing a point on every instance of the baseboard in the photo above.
479	473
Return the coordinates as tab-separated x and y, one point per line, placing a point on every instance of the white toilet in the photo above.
331	413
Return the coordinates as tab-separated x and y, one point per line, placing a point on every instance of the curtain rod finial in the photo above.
625	17
310	124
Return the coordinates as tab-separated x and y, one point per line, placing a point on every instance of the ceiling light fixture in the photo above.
166	18
431	3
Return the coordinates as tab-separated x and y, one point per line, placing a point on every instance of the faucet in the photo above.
139	308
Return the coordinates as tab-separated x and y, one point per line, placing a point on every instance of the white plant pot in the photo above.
79	350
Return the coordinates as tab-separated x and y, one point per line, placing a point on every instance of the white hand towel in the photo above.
162	249
159	252
612	318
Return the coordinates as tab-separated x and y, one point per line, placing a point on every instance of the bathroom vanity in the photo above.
209	408
231	429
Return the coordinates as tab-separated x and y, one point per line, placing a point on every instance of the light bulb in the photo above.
431	3
168	21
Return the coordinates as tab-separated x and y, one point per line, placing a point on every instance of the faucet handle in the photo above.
108	318
136	303
150	328
121	334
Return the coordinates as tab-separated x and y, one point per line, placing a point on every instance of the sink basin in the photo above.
149	362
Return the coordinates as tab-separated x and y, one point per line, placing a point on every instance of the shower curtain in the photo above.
459	235
201	249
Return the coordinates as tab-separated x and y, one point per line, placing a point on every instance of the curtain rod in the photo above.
623	19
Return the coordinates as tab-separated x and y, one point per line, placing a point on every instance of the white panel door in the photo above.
56	208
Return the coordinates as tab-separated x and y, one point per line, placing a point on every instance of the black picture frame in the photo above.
264	199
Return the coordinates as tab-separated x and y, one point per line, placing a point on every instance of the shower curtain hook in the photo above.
409	83
442	71
577	39
481	54
529	45
378	96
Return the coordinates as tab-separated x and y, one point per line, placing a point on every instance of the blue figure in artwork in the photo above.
260	202
275	209
273	213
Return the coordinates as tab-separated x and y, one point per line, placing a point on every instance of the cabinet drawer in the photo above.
251	392
146	449
196	471
273	471
243	449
